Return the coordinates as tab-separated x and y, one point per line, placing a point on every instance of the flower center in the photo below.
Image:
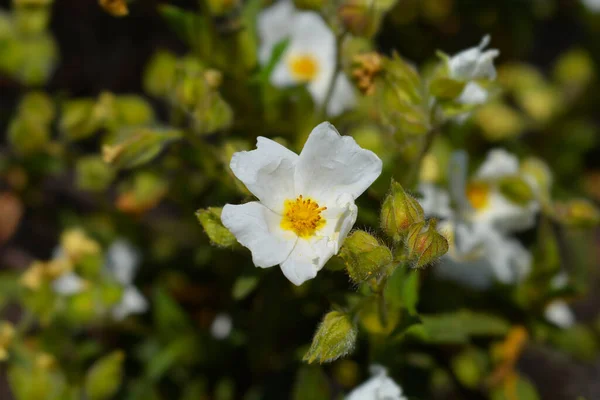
302	216
303	67
478	194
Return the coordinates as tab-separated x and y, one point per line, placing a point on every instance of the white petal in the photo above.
473	63
473	93
510	261
331	165
498	163
122	260
221	326
68	284
506	215
340	218
268	172
378	387
258	228
273	26
435	201
559	313
592	5
343	96
132	302
306	259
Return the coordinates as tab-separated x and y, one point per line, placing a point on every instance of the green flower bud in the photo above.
364	256
93	174
516	189
77	120
160	74
399	211
425	245
37	105
31	20
335	338
579	213
210	219
28	135
104	377
212	116
131	110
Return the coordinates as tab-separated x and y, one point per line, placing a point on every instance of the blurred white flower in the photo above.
471	65
310	56
68	284
306	202
221	326
559	313
379	387
592	5
121	262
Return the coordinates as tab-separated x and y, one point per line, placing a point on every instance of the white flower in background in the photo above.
592	5
306	202
470	66
310	56
221	326
121	262
477	229
559	313
379	387
69	284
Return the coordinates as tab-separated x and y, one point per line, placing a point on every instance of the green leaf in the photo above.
104	377
446	88
169	356
184	23
170	320
243	286
265	73
523	389
210	219
402	289
311	383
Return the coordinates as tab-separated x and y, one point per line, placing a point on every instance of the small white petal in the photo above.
343	96
559	313
268	172
510	261
498	163
435	201
306	259
132	302
378	387
221	326
474	63
68	284
331	165
473	93
258	228
340	218
273	26
122	260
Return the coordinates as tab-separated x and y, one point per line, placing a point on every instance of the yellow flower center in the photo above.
304	67
478	194
302	216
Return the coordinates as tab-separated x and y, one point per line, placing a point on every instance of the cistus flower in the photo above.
470	66
310	55
379	387
306	202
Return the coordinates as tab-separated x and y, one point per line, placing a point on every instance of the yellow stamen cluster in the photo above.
302	216
304	68
367	67
478	194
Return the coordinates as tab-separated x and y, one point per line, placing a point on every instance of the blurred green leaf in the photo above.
210	219
311	383
243	286
104	377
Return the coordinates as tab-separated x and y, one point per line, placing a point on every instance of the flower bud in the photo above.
335	338
361	17
210	219
104	377
28	135
366	68
425	245
160	74
579	213
364	256
399	211
516	189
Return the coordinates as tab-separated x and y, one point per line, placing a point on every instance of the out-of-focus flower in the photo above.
592	5
7	334
470	66
559	313
76	244
122	262
221	326
69	284
44	272
310	55
379	387
306	205
366	68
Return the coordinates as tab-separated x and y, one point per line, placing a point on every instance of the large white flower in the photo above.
122	261
310	56
379	387
306	202
471	65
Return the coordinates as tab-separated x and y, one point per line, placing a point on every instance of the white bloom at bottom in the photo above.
379	387
306	202
221	326
559	313
132	302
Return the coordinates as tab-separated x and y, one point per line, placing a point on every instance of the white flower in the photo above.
559	313
122	261
221	326
471	65
379	387
306	202
592	5
310	56
68	284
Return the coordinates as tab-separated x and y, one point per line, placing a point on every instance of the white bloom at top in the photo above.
592	5
310	56
121	262
379	387
471	65
306	202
